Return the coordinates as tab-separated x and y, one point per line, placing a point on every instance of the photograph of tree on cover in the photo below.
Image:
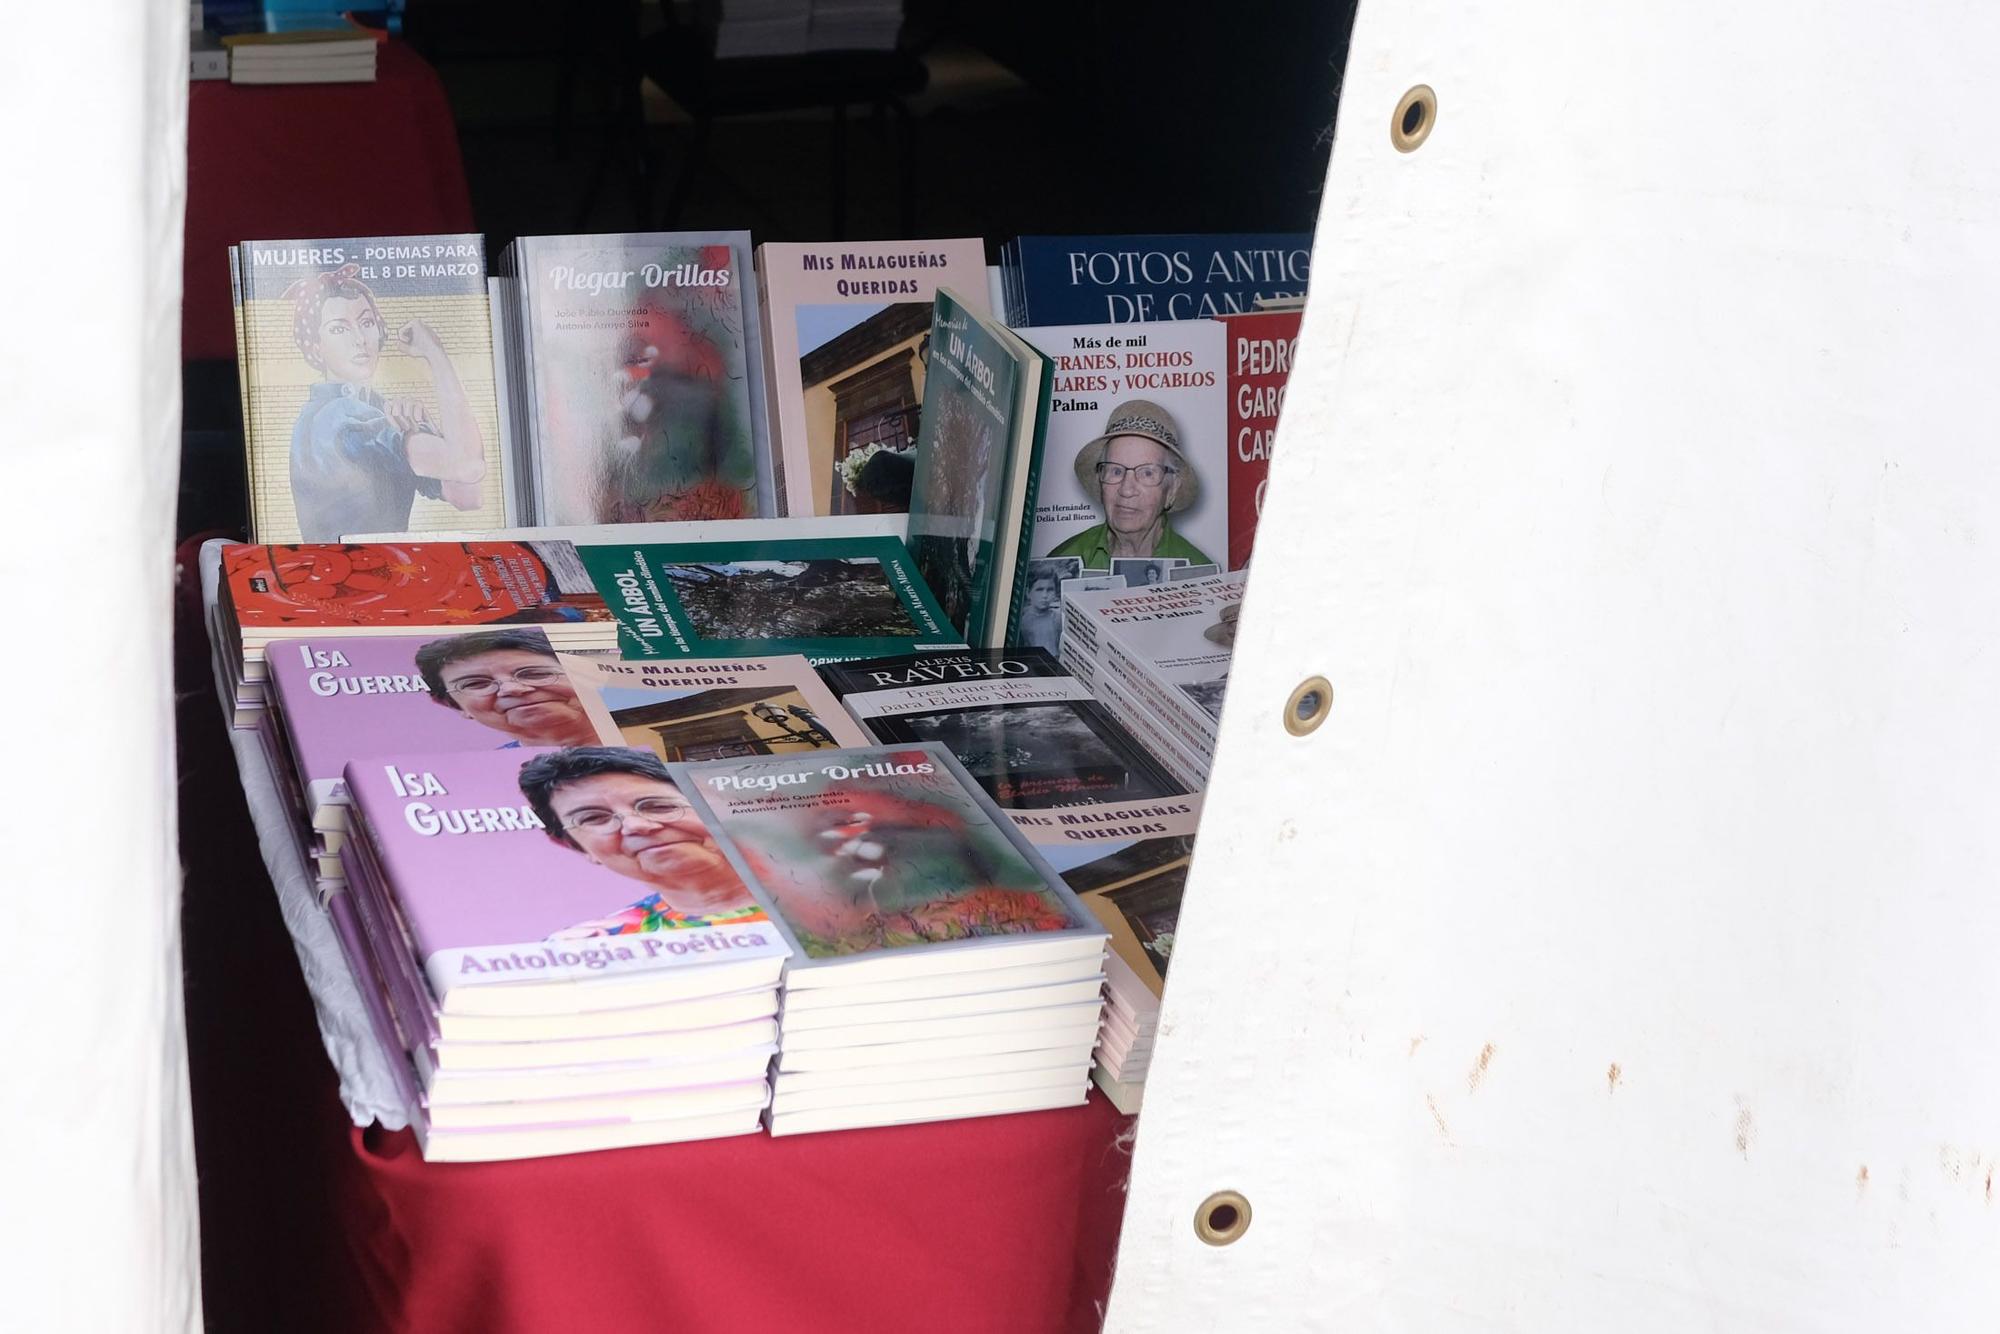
795	599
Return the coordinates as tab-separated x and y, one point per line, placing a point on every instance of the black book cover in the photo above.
1026	730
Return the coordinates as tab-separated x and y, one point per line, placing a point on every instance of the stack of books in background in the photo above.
645	1012
1158	657
748	28
856	25
326	55
940	967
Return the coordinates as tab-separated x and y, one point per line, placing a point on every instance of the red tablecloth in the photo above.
1002	1225
293	162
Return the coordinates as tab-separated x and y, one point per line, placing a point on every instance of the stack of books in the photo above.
1134	889
560	949
940	968
856	25
1107	816
329	700
1158	657
333	591
746	28
334	55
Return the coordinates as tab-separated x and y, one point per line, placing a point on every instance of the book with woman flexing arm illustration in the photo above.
368	395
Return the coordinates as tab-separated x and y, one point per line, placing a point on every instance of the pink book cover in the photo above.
369	981
544	865
403	986
417	695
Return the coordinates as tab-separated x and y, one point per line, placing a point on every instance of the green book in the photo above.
979	451
831	599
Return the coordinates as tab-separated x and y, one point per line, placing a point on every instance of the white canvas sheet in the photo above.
1618	955
97	1159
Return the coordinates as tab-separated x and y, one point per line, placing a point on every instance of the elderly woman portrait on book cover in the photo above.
621	810
1139	474
359	460
510	681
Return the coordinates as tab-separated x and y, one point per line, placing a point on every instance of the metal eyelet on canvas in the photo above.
1415	115
1309	705
1223	1218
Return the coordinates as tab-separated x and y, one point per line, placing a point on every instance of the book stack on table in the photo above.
1111	820
331	699
637	1018
1135	891
1159	658
334	591
321	55
574	935
940	968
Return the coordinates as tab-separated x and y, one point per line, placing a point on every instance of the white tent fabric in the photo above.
95	1146
1617	955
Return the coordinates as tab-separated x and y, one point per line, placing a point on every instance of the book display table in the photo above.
1003	1224
384	161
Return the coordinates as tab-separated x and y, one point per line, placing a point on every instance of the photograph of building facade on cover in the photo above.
803	599
878	861
718	722
862	371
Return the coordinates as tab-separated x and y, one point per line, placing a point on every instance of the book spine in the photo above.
1010	620
503	398
1176	711
243	382
757	370
1186	767
1080	627
781	500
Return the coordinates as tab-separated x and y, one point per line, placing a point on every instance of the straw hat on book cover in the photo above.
1148	420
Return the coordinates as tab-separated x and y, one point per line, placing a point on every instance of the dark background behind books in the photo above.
1042	116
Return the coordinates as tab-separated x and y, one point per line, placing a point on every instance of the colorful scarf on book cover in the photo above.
650	914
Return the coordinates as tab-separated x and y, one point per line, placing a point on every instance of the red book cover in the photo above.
410	585
1260	361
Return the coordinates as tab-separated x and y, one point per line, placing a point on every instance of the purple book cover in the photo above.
404	987
418	695
369	982
553	865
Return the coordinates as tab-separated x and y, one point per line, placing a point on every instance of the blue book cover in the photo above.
1126	279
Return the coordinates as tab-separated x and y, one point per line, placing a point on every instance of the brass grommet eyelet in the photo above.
1309	705
1223	1218
1415	115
